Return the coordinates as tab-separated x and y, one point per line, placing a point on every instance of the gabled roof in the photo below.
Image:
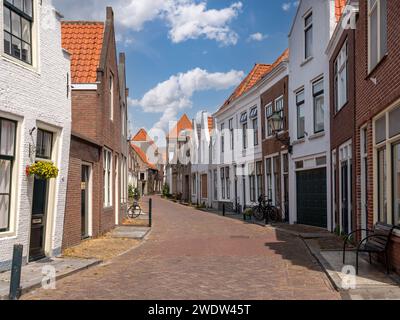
183	124
84	41
142	136
142	155
258	71
339	8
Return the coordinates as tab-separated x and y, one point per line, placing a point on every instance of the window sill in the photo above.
7	234
19	63
372	71
299	141
306	61
317	135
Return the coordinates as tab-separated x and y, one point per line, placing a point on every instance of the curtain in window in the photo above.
5	184
7	138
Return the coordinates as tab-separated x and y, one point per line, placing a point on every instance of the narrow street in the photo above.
195	255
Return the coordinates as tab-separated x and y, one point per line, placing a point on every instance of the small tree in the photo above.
131	193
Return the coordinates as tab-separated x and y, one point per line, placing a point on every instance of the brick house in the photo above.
342	99
94	191
377	111
274	99
35	125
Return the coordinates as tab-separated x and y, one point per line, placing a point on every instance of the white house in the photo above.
238	123
35	124
309	118
202	188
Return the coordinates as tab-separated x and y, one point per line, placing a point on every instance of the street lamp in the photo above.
277	126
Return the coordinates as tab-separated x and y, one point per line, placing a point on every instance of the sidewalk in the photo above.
32	274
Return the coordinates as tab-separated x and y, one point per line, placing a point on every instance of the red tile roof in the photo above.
339	7
142	155
142	136
183	124
258	71
256	74
84	41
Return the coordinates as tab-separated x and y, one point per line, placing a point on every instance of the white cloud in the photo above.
186	19
288	5
257	37
175	94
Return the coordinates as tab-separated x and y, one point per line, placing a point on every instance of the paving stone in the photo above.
195	255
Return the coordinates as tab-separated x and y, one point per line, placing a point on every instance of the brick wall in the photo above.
372	98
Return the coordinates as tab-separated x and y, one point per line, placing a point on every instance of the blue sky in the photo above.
162	43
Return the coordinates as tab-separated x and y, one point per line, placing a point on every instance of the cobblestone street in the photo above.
196	255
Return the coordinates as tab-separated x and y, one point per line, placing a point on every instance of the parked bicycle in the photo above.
134	211
265	211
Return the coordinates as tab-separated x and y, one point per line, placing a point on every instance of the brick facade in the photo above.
95	130
342	121
375	92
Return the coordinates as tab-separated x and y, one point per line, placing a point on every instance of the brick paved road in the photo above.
196	255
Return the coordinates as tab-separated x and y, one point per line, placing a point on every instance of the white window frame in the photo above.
315	96
111	95
341	67
381	51
364	187
269	111
108	178
346	155
307	27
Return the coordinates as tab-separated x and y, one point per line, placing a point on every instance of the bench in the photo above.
377	241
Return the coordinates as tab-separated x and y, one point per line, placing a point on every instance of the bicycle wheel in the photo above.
134	211
258	213
273	215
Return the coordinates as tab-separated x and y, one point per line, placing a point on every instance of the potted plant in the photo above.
248	213
42	170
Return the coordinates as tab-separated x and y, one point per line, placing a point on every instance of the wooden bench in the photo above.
376	241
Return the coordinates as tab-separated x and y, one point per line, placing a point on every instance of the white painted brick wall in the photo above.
37	95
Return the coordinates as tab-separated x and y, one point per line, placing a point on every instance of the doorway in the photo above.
85	201
39	219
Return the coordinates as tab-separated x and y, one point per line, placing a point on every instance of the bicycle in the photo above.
134	211
265	211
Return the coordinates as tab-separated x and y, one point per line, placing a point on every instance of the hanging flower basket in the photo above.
42	170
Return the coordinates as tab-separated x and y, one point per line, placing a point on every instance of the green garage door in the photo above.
311	198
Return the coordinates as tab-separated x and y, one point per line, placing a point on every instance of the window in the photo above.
300	115
44	144
341	82
268	176
222	138
244	137
228	183
111	96
377	31
277	180
396	184
215	185
7	158
382	191
194	189
269	111
308	35
279	107
223	182
318	96
232	138
259	178
18	19
107	177
255	131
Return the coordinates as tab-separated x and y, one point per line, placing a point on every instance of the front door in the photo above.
85	201
344	197
38	222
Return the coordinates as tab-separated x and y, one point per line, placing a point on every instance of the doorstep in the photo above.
130	232
32	276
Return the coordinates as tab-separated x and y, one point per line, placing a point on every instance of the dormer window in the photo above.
18	19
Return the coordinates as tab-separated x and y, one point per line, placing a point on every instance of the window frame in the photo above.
111	95
316	95
338	69
12	160
300	104
231	132
269	111
380	54
108	178
308	28
41	156
30	19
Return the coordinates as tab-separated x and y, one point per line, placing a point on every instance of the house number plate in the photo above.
37	221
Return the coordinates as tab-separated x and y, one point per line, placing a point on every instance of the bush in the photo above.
165	191
248	212
131	192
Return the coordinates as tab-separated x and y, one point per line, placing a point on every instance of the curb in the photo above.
59	277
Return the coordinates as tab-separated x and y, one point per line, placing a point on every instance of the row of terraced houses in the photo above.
317	131
63	101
